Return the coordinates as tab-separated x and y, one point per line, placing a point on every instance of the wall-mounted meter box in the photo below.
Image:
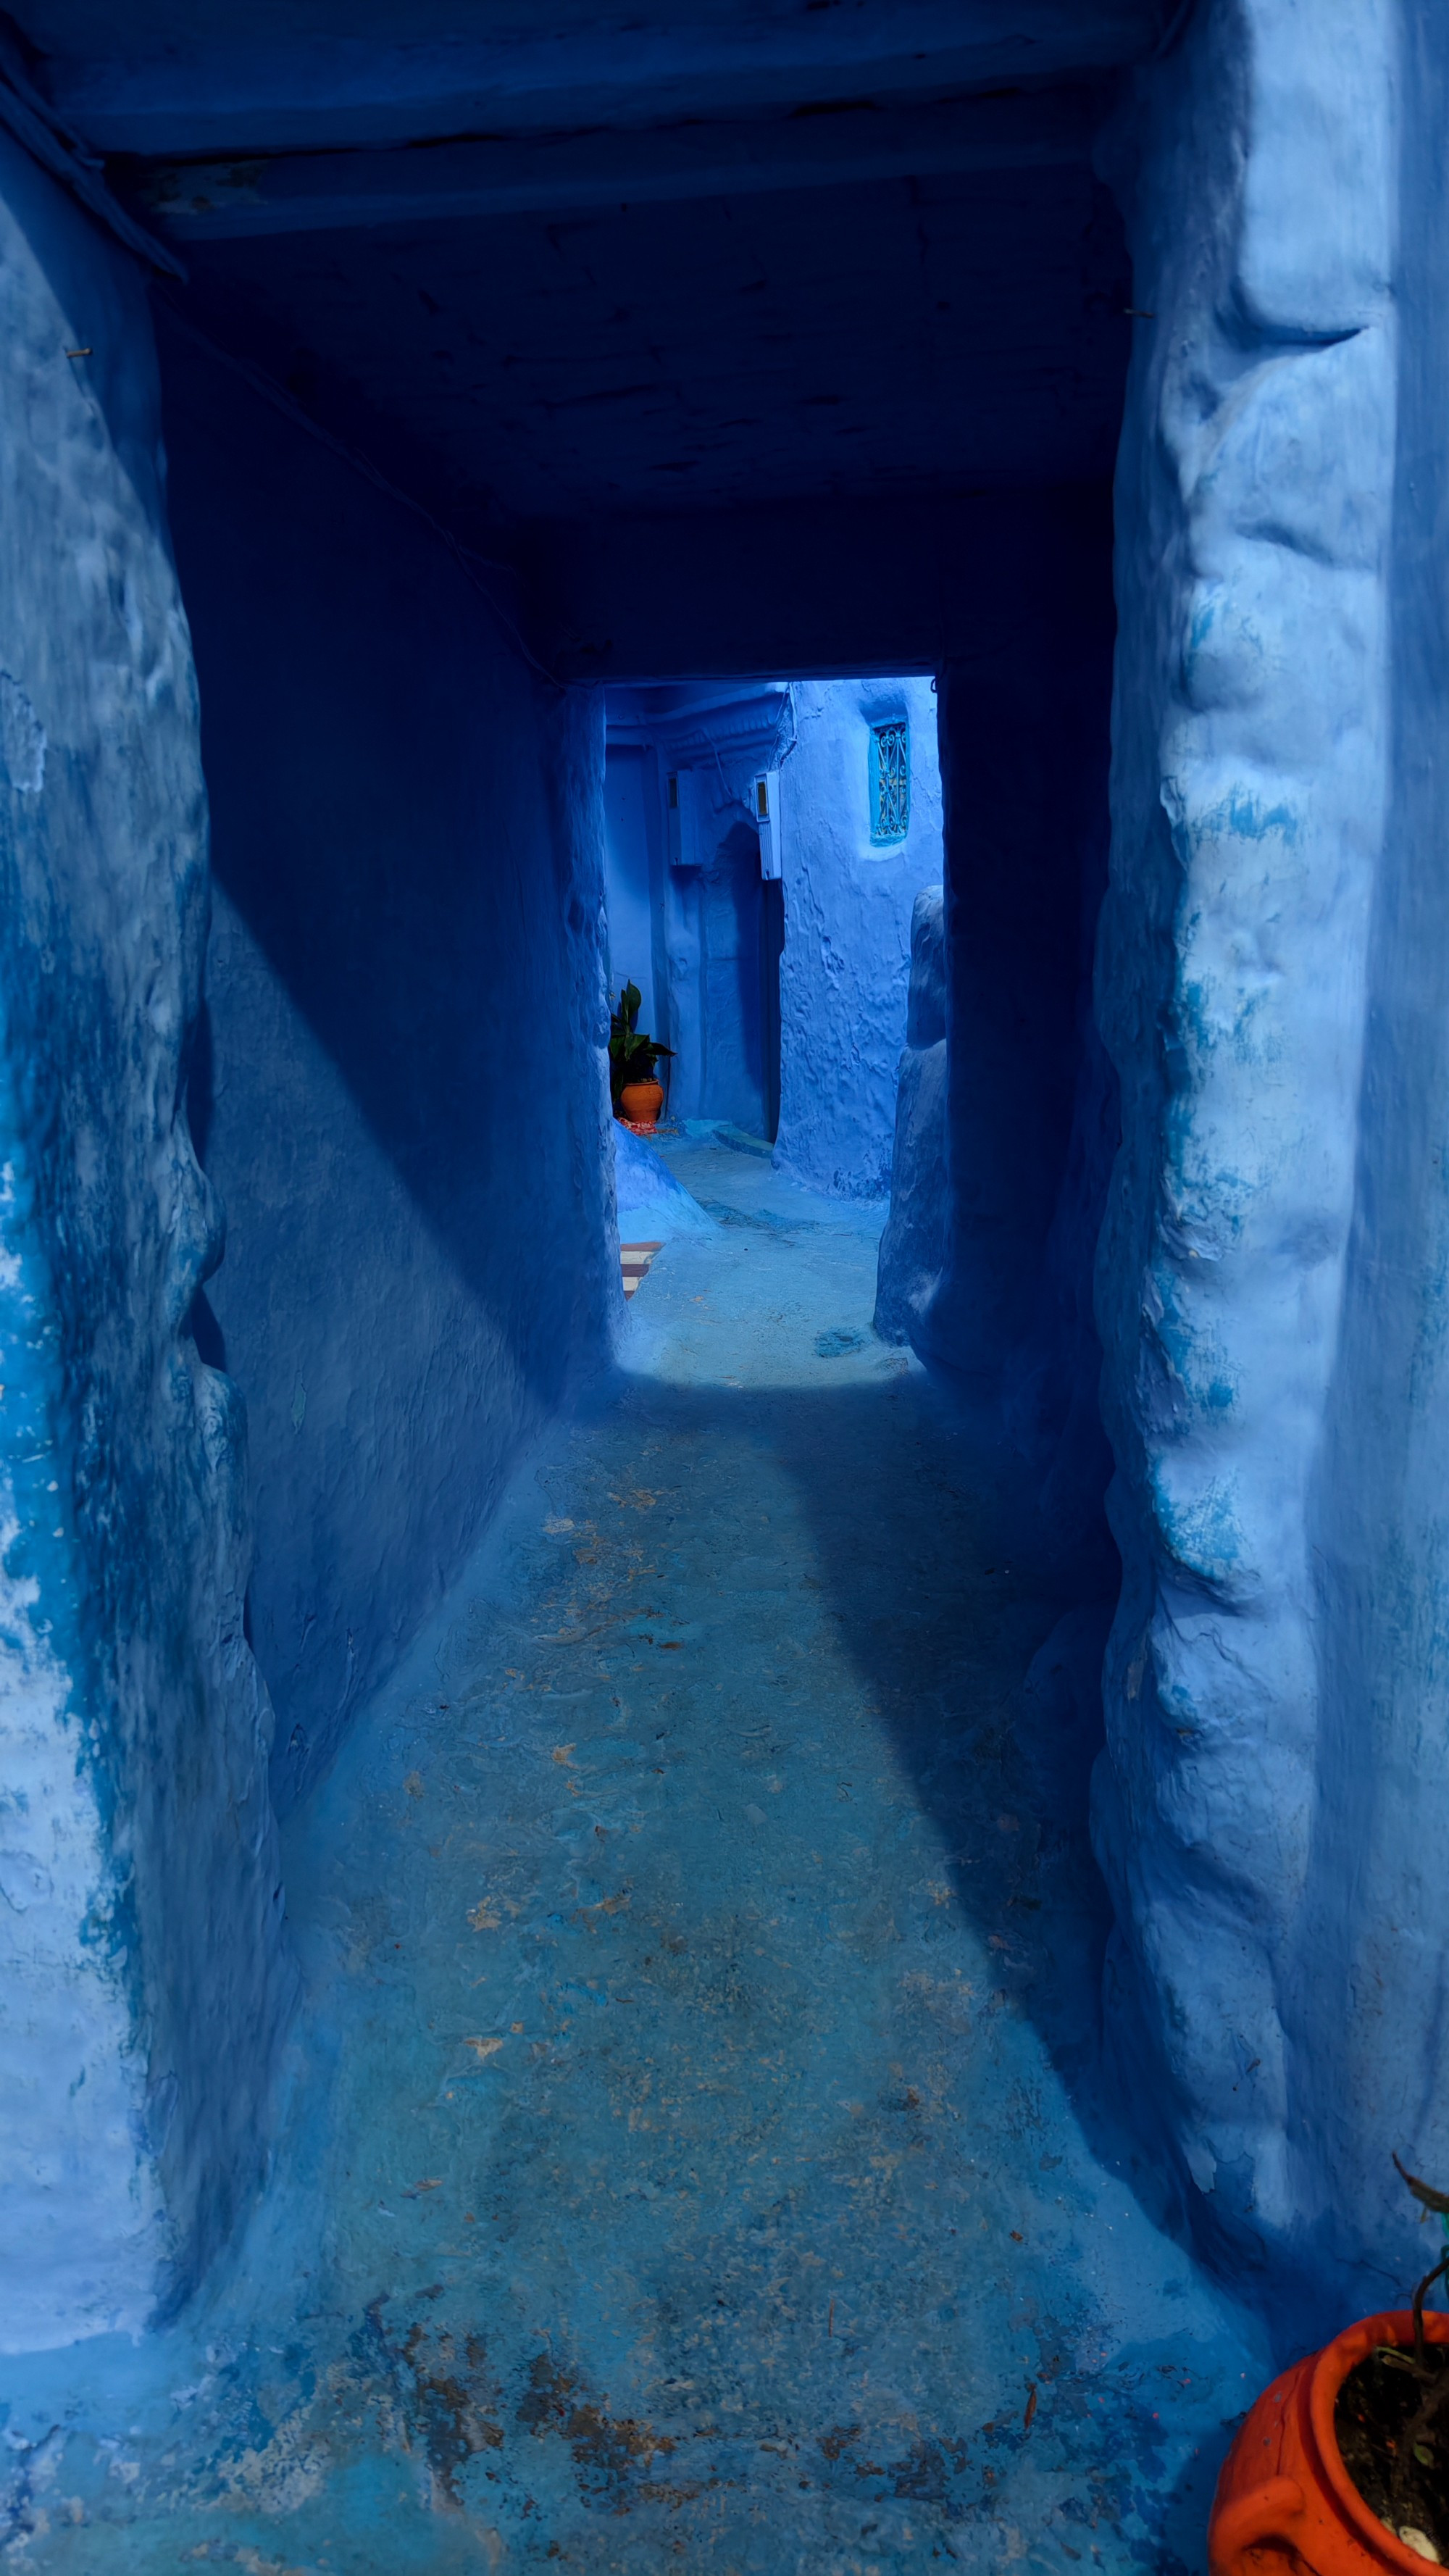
681	801
767	820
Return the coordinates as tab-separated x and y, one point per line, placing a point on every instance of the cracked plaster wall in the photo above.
142	1977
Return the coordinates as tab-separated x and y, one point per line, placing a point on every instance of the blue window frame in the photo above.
890	781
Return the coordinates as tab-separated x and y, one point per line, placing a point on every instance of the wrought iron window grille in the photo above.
890	782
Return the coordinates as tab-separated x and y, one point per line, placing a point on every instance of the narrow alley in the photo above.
719	1843
687	2159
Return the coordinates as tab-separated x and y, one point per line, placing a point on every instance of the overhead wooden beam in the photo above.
480	175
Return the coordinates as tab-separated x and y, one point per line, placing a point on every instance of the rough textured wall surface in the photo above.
1249	798
141	1973
1365	2007
846	962
913	1246
405	1103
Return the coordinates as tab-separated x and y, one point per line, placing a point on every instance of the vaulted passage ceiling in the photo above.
543	261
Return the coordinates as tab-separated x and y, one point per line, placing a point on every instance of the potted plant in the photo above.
1342	2468
633	1055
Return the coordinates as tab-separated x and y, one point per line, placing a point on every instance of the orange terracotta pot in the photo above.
641	1102
1285	2501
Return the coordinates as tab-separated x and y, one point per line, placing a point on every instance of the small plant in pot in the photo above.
1342	2468
633	1055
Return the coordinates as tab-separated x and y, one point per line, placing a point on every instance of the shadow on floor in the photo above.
691	2155
979	1652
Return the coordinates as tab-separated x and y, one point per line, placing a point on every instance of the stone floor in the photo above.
689	2155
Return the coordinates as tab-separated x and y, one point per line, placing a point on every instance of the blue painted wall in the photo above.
1024	745
727	915
799	1041
634	880
403	1097
142	1976
1365	2009
1272	1268
848	905
913	1245
1007	1114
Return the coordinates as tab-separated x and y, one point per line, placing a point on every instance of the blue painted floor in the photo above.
689	2156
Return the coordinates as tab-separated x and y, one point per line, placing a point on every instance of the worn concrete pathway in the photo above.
689	2156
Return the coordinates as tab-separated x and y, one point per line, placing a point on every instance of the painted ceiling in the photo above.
543	262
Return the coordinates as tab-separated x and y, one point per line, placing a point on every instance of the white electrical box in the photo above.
681	799
767	820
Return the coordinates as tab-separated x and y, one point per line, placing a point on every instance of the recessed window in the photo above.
890	781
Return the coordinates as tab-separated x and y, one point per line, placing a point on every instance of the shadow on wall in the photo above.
1030	1105
913	1245
405	848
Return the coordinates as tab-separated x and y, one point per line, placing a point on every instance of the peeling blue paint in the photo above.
141	1932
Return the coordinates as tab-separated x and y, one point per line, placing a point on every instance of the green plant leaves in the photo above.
633	1054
